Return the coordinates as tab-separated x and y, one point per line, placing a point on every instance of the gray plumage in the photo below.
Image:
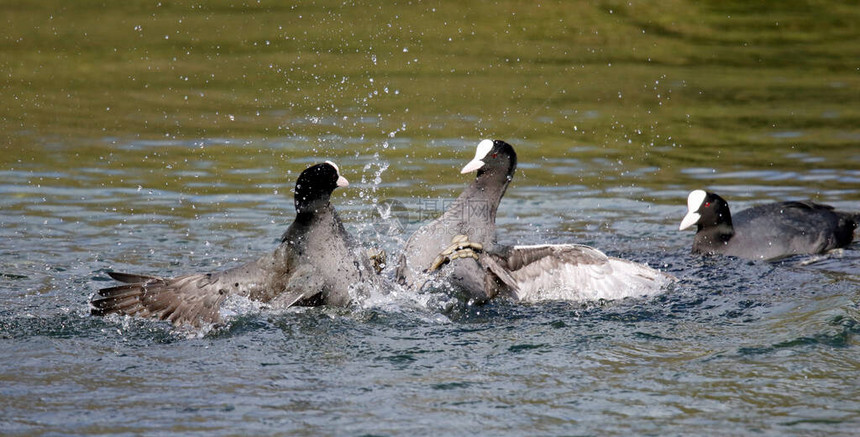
473	213
569	272
317	263
766	232
525	273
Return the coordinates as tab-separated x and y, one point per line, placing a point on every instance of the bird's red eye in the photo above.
494	155
707	204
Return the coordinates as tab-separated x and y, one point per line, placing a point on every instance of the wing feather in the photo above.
191	299
578	272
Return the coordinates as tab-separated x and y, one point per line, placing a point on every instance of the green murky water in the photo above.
165	137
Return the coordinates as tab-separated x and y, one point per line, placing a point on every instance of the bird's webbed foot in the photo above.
460	247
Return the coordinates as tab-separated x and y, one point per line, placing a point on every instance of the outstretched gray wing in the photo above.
193	299
576	272
190	299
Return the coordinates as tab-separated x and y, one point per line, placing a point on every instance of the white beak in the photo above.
690	219
694	203
473	165
481	152
341	181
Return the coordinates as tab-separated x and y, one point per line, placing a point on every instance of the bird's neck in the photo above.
479	202
715	236
307	215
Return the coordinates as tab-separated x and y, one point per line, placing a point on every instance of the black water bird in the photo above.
460	246
766	232
316	263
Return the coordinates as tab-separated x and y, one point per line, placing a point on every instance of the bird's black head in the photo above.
315	185
706	210
493	157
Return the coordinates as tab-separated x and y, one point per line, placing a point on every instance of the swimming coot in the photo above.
766	232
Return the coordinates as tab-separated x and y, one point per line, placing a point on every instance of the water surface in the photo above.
165	138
